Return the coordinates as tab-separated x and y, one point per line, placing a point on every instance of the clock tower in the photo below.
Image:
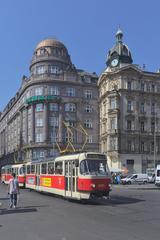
119	55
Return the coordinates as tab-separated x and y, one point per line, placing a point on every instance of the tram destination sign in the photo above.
96	156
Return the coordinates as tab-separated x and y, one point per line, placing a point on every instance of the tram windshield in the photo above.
94	167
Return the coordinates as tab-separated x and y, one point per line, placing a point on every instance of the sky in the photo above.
86	27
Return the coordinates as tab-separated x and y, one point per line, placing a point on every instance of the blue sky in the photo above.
86	27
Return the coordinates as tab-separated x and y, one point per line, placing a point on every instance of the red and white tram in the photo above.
18	169
77	176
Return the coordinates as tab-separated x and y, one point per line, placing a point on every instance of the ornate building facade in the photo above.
54	96
129	111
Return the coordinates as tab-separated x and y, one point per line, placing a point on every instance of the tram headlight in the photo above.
110	186
93	185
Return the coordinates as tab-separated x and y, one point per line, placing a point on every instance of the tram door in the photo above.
70	178
37	176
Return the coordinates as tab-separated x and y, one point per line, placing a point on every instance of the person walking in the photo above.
13	190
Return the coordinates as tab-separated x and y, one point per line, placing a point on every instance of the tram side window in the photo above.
44	168
50	168
22	170
15	170
28	169
32	168
58	168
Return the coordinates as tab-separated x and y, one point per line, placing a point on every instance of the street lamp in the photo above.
155	144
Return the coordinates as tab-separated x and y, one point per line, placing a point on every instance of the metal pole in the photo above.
155	147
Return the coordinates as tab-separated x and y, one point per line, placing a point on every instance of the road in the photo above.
130	214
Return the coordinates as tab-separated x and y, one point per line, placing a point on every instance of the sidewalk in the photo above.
148	186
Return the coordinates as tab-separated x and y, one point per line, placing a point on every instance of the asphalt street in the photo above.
132	213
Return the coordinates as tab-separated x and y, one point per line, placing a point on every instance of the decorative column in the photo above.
46	131
32	123
60	127
26	125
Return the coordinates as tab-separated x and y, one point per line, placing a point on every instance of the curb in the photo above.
130	187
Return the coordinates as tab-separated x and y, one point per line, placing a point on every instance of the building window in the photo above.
54	90
129	85
39	107
28	94
142	146
88	94
148	88
40	69
153	108
39	137
53	107
70	123
153	88
53	121
88	123
153	127
39	122
129	146
130	162
42	51
129	105
142	108
54	69
113	103
113	144
37	154
70	92
39	91
88	108
53	136
152	146
129	125
113	123
142	87
87	79
68	137
142	126
90	139
70	107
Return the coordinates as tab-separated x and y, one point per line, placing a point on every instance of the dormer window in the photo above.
42	51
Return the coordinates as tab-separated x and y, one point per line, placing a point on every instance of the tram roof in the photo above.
72	156
80	156
13	165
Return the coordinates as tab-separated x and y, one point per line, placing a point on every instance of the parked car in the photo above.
151	178
140	178
157	176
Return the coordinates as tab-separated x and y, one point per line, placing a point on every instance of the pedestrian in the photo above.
118	179
13	190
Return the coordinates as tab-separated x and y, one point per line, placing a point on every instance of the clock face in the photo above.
114	62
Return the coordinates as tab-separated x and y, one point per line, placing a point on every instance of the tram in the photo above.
76	176
18	169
